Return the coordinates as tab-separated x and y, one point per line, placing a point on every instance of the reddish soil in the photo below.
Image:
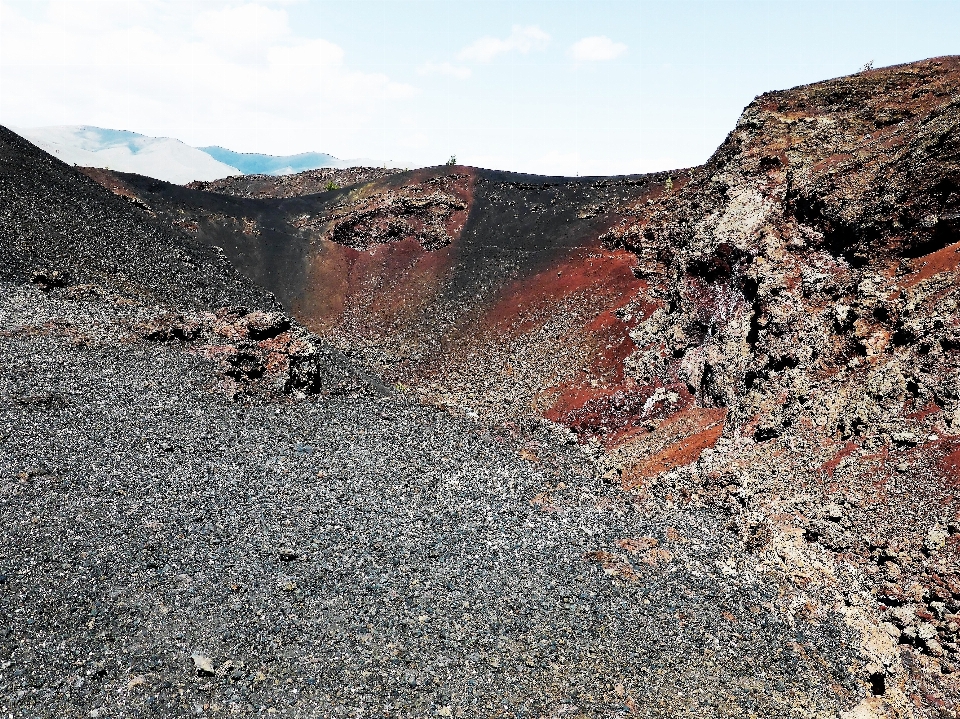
830	466
944	260
692	430
370	292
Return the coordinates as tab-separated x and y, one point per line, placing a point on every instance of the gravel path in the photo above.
165	552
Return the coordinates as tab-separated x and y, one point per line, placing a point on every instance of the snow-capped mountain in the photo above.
161	157
164	158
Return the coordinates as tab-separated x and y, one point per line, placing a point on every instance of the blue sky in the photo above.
558	86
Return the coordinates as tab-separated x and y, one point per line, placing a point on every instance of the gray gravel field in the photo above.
167	552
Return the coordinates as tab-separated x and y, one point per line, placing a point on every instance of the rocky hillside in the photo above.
828	213
205	509
423	272
294	185
764	348
56	221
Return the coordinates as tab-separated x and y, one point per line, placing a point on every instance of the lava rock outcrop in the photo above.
259	353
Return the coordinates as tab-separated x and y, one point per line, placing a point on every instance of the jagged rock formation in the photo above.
257	353
806	246
805	286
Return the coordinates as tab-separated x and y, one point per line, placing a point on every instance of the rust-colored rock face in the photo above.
484	289
777	330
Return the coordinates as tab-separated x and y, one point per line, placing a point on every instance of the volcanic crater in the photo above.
464	442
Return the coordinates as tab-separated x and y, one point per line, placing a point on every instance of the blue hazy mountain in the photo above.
164	158
251	163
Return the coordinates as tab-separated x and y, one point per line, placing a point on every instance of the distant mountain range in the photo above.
251	163
165	158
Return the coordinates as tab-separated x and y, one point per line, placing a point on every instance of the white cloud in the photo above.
521	39
597	48
445	68
241	27
212	73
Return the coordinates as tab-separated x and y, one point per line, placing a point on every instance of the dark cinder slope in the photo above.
54	219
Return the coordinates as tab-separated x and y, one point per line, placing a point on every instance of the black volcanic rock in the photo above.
57	223
408	562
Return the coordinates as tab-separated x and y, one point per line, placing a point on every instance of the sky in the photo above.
588	87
